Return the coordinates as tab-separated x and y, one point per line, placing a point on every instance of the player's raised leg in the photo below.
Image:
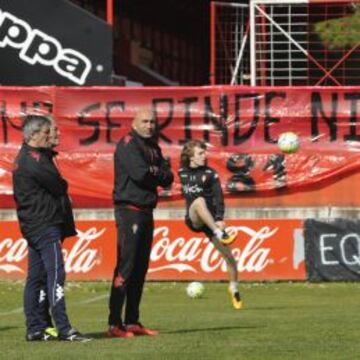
233	288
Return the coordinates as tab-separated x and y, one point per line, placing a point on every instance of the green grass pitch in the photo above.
278	321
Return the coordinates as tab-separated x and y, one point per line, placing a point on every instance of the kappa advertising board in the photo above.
264	250
332	249
46	42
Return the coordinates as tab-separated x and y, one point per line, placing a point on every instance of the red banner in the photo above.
240	124
264	250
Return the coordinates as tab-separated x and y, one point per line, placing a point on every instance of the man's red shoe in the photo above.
138	330
116	331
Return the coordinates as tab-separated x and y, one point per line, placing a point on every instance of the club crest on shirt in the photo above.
35	155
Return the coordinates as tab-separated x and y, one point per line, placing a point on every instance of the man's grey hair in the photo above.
33	124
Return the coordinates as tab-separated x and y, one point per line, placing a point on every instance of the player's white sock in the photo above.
218	233
233	286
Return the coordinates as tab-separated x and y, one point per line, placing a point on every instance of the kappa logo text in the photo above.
37	47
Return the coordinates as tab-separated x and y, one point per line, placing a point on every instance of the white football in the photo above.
195	290
288	142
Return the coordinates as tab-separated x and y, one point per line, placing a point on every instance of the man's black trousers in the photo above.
45	262
135	234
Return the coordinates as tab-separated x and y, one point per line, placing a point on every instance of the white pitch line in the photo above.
87	301
91	300
11	312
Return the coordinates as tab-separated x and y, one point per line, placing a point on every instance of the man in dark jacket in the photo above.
68	229
139	169
43	211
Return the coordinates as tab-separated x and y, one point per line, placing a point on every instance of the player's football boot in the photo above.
39	336
227	238
235	299
74	336
116	331
138	330
51	331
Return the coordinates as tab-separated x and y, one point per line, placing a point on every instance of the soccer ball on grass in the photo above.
195	290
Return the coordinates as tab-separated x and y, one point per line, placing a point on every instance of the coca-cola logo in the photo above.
82	257
182	254
12	252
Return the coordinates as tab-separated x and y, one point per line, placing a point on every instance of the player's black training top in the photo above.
203	182
139	169
40	192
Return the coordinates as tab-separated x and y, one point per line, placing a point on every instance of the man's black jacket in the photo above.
40	193
203	182
139	169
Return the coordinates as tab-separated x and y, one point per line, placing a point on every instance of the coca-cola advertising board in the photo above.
267	249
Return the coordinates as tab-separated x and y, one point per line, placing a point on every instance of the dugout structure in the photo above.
285	43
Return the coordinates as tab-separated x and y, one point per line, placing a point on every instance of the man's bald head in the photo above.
144	122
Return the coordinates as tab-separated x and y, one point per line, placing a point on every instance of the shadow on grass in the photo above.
103	335
98	335
6	328
222	328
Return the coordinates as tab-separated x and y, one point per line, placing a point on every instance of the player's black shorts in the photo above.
205	229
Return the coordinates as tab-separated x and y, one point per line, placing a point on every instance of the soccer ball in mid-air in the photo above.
288	142
195	290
